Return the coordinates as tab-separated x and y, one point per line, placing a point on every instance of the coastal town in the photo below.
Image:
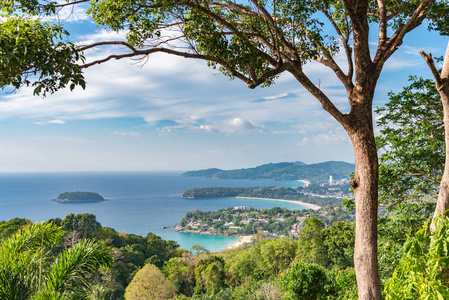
242	220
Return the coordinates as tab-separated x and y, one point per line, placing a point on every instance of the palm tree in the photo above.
29	271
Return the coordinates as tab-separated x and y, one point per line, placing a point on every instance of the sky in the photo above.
173	113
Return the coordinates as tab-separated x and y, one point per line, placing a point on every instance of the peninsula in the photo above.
323	197
79	197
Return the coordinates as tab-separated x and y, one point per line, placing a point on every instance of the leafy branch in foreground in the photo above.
411	143
422	271
29	272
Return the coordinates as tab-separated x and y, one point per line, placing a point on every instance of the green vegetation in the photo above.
321	196
317	264
149	283
129	252
79	197
30	271
412	167
283	171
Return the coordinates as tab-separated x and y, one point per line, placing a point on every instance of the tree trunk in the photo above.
443	88
442	85
360	130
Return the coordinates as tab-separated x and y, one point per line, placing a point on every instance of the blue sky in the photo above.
178	114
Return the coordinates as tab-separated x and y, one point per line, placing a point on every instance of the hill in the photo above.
319	172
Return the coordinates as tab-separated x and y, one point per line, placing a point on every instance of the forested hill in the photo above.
283	171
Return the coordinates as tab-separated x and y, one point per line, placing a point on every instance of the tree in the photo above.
9	227
306	281
181	275
85	224
149	283
253	41
442	85
29	272
311	248
210	275
412	141
339	242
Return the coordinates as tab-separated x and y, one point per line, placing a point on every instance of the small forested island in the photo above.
79	197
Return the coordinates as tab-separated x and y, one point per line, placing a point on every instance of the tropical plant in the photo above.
422	270
28	271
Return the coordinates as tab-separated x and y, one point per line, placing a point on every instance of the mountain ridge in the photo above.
318	172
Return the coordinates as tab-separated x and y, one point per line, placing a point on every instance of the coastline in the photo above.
306	183
308	205
244	239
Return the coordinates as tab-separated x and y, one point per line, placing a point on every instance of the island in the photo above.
79	197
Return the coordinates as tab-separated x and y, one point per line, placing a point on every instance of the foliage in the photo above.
37	51
422	270
339	242
149	283
311	248
393	230
306	281
210	275
86	224
412	138
180	275
9	227
29	272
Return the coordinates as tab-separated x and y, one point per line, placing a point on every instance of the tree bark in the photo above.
442	85
443	195
361	133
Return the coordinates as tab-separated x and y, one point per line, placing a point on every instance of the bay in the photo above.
138	202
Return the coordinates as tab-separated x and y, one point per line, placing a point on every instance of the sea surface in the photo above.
138	202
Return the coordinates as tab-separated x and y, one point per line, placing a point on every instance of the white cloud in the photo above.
126	133
56	121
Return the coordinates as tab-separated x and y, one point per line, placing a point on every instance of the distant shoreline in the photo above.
306	183
243	239
308	205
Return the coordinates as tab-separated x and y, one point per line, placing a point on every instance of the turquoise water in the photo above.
138	202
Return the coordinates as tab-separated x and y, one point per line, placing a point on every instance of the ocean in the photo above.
138	202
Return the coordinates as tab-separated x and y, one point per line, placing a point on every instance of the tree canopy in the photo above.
411	143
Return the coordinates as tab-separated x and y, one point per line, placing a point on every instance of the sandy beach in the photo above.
243	240
309	205
306	183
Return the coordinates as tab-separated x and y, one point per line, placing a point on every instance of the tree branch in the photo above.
431	63
346	46
326	103
392	44
382	23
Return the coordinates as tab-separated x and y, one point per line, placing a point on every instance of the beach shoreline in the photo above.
306	183
244	239
308	205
